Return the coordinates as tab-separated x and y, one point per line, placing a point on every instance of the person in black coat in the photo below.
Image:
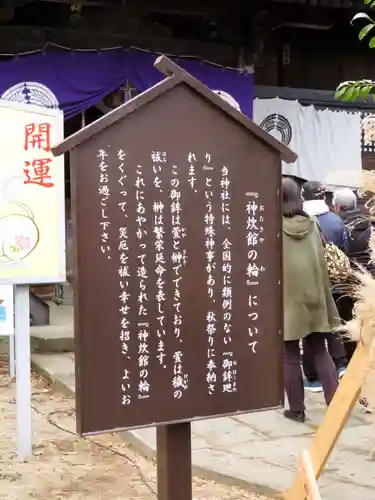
358	225
359	228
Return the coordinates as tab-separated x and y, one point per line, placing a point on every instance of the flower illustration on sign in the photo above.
22	243
19	234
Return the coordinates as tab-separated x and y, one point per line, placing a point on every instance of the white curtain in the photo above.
327	142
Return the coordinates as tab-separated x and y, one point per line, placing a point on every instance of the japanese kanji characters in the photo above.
37	170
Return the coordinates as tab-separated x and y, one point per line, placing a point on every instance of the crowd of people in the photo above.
315	353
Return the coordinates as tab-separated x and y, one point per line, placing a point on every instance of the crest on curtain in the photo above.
31	93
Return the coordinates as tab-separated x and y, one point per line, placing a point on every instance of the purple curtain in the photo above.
75	81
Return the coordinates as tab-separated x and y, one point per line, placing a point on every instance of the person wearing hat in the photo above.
334	230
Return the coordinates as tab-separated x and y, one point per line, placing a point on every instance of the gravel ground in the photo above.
67	466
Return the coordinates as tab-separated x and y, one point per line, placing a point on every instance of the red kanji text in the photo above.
38	172
38	136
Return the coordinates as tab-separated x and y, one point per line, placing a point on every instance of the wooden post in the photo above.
173	456
336	416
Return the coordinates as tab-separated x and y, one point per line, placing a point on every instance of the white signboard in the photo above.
32	220
6	310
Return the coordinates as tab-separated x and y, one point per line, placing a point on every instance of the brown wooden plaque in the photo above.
178	311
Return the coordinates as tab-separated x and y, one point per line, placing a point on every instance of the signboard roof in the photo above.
175	75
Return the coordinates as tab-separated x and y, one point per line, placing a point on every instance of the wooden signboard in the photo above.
177	217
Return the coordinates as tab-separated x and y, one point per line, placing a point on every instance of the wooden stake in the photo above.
308	476
335	418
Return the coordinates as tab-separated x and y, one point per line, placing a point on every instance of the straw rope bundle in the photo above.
362	326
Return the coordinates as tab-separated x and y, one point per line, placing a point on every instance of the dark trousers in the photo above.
324	366
345	304
350	347
335	348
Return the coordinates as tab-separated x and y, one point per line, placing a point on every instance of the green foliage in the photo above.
351	90
363	89
369	27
